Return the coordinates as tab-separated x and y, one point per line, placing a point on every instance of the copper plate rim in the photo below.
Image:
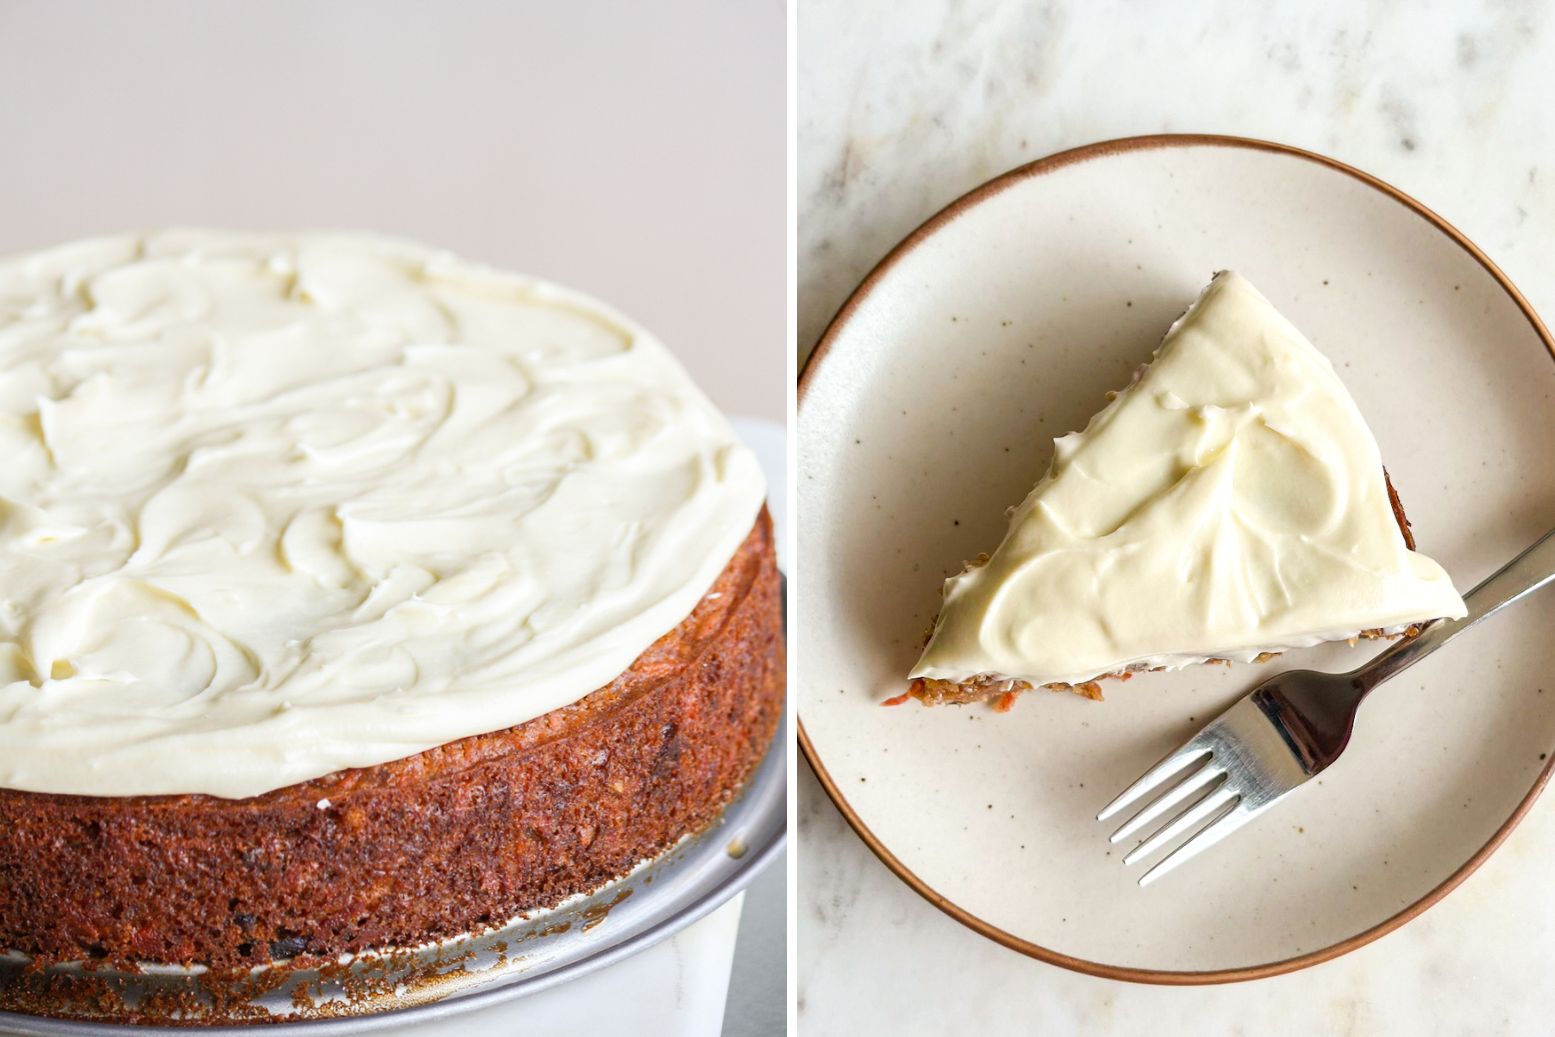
981	194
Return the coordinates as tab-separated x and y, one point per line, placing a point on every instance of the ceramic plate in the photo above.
929	408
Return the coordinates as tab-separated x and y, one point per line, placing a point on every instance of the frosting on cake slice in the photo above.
1230	502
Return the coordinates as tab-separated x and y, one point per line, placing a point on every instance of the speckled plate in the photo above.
929	408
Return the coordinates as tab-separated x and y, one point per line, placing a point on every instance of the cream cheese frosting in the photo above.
1231	501
274	506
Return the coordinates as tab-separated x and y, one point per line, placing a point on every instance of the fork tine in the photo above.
1202	780
1174	761
1207	836
1184	821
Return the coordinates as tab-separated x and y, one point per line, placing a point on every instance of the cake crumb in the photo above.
322	804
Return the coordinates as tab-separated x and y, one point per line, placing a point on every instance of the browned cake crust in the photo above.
1002	692
440	843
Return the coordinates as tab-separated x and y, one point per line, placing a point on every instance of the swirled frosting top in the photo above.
1230	501
273	506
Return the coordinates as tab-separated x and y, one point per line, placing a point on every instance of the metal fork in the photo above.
1287	730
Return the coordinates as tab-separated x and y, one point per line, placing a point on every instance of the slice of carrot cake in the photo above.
1229	504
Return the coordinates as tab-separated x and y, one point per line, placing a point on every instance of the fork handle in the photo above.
1514	581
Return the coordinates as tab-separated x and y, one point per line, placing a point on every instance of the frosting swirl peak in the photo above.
275	506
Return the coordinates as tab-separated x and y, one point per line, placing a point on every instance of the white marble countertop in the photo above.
902	107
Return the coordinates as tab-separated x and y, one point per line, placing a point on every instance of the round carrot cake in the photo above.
353	595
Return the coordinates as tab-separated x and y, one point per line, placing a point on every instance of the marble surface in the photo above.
580	142
760	958
904	106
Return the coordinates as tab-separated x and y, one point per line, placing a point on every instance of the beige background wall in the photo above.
632	150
